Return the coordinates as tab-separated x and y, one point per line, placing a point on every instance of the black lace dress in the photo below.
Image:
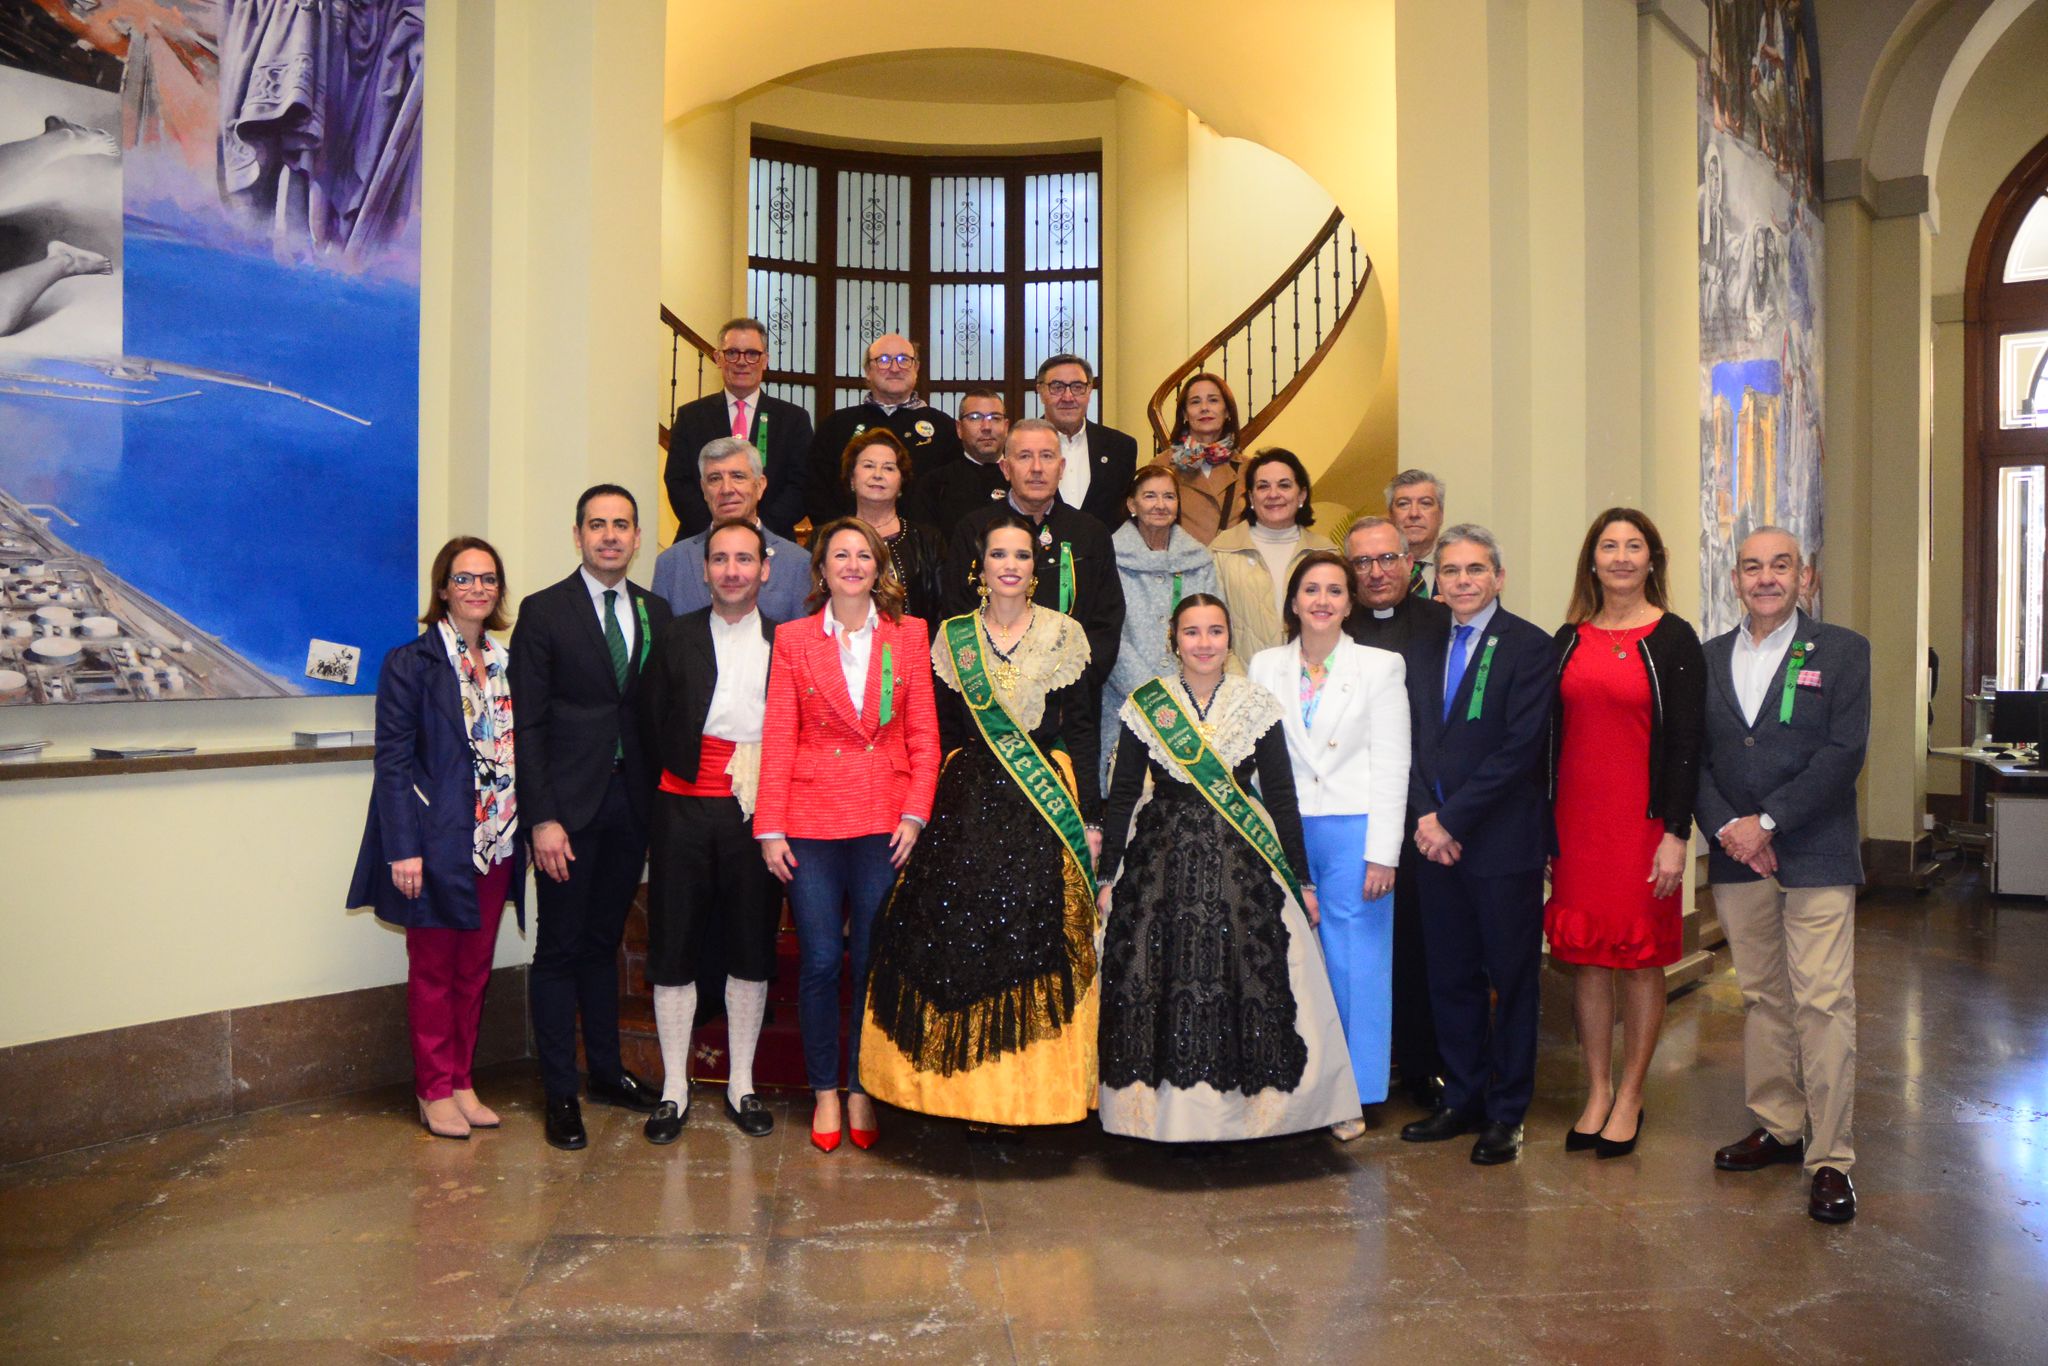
1217	1016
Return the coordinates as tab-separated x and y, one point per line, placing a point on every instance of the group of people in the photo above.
1200	823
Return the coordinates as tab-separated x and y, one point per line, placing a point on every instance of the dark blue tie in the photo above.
1461	653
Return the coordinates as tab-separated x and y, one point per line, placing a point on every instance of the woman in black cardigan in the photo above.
1624	762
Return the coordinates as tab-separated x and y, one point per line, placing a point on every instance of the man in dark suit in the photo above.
1415	503
1788	718
780	431
1390	617
892	401
1076	564
1476	789
710	899
585	785
1100	460
972	483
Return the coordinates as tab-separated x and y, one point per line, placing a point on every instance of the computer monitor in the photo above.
2016	718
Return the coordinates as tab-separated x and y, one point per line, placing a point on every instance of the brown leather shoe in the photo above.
1757	1151
1834	1199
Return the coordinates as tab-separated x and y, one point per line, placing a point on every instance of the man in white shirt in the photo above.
1788	720
710	900
1101	461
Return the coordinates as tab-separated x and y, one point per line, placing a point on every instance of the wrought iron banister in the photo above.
681	334
1331	261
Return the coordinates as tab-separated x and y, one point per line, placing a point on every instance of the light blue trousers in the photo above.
1358	946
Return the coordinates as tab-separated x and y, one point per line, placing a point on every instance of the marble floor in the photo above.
339	1232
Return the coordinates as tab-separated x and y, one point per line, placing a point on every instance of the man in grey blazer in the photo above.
730	472
1788	718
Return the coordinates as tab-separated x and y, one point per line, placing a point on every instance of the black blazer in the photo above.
572	714
702	421
1098	589
1112	462
1801	773
964	486
1678	715
675	694
1484	777
932	437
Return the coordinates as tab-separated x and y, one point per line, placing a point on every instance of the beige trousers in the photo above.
1795	960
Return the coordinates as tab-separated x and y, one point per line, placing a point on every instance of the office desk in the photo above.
2017	856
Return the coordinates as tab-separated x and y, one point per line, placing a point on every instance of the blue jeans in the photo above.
1358	946
835	878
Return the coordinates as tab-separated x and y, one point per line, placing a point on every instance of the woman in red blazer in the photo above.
849	763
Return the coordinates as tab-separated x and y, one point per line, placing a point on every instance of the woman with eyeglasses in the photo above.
442	849
1159	564
875	467
1204	456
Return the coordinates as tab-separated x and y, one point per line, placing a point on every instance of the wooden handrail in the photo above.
1323	237
682	332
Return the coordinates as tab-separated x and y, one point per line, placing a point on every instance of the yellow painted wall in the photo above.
132	899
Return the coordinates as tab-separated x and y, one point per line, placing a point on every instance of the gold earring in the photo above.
981	587
1032	591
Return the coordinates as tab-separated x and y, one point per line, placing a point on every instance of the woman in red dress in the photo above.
1624	763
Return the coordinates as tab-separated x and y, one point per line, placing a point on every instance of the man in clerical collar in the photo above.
1415	502
891	367
1388	614
1076	563
730	475
974	482
1100	461
1390	617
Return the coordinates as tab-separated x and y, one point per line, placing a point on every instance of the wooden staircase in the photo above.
1260	354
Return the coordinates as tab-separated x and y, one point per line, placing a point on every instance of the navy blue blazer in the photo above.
1801	773
1484	777
423	799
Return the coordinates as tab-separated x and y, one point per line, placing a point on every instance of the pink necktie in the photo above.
739	419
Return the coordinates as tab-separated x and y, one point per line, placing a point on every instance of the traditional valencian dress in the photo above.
981	999
1217	1017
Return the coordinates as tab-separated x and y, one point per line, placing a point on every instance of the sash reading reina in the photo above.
1012	745
1211	778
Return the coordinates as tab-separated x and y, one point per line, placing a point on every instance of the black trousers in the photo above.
1484	933
1415	1055
576	944
712	904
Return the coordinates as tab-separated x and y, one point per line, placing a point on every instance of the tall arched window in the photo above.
2005	498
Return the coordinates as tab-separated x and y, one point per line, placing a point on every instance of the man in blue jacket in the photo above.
1788	718
1479	690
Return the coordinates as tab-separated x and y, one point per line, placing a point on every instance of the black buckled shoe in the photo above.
628	1093
564	1125
1445	1124
665	1125
752	1118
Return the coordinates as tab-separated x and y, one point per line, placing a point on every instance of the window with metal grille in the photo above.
988	264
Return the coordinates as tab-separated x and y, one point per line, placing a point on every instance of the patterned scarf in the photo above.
1190	457
487	725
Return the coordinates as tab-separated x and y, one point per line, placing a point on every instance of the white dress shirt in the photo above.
623	606
854	653
1075	478
1474	643
732	403
740	697
1755	667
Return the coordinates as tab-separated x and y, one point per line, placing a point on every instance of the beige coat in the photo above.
1249	590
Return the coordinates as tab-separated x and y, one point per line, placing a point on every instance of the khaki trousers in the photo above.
1795	960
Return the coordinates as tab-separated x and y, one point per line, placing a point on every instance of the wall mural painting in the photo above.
1760	287
209	345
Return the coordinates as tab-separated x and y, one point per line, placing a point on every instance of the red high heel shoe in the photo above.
863	1139
821	1140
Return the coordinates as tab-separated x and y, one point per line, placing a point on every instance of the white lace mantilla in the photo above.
1239	713
1052	654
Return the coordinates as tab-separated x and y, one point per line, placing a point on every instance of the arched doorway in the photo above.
2005	437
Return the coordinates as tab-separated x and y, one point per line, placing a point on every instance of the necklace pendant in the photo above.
1620	653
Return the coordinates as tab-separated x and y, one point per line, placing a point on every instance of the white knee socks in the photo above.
675	1018
746	1005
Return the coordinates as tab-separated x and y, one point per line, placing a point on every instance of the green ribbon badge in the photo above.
1792	668
646	631
1066	576
887	711
1478	701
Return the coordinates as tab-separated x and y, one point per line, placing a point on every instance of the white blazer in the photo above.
1355	761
